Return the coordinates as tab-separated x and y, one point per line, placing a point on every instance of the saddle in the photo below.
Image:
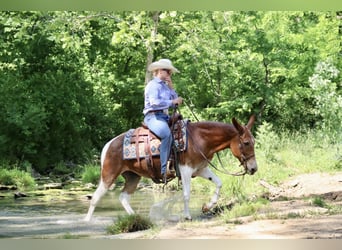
142	143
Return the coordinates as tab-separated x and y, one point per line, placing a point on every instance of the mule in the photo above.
204	140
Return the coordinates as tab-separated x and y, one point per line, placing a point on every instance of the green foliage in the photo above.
17	178
328	101
61	168
91	174
129	223
267	140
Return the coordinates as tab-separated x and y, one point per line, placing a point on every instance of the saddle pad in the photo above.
129	147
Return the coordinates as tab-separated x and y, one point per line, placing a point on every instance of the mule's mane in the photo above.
217	126
215	136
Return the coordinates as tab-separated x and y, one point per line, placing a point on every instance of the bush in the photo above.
16	178
91	174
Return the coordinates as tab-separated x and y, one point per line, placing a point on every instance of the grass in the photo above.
319	202
91	174
283	156
243	208
18	178
69	236
129	223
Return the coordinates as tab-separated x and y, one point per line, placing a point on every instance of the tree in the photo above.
73	80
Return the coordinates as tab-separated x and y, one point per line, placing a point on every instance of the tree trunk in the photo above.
150	44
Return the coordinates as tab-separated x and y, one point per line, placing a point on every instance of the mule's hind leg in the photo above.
207	174
131	182
100	191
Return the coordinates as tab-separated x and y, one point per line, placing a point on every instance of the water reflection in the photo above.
150	203
62	212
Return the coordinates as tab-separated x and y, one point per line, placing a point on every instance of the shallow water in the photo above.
50	216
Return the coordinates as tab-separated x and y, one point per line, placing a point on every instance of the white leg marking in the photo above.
207	174
124	199
100	191
186	173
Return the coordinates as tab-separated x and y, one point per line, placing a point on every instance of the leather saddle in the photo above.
143	136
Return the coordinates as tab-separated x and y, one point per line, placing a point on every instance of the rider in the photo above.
159	97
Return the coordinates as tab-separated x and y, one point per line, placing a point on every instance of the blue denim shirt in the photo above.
158	96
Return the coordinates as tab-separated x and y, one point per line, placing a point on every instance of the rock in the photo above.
5	187
53	186
19	195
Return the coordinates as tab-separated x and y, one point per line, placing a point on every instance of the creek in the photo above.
58	213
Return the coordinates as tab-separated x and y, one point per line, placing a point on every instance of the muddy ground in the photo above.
296	217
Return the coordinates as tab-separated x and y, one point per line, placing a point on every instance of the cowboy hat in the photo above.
162	64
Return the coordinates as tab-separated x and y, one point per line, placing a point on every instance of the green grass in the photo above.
91	174
319	202
243	208
129	223
18	178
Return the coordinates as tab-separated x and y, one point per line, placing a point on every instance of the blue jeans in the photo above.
158	124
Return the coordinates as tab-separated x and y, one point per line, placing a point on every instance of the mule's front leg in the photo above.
207	174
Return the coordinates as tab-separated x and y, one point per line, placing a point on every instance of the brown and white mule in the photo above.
205	139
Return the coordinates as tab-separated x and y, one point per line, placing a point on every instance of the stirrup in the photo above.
169	169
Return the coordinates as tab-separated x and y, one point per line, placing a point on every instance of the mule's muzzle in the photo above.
252	171
249	163
251	167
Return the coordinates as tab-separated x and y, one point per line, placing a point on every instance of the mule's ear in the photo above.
238	127
251	122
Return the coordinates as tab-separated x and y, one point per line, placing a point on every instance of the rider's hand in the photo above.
177	101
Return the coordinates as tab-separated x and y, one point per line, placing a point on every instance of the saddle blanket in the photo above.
130	147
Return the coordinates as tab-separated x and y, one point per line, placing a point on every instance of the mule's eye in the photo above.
246	143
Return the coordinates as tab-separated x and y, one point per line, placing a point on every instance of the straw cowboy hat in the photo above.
162	64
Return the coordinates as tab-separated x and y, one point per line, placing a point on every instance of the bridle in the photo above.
243	159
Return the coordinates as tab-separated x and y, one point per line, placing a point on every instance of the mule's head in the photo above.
242	146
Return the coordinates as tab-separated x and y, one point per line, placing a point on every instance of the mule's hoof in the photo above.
86	219
188	218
